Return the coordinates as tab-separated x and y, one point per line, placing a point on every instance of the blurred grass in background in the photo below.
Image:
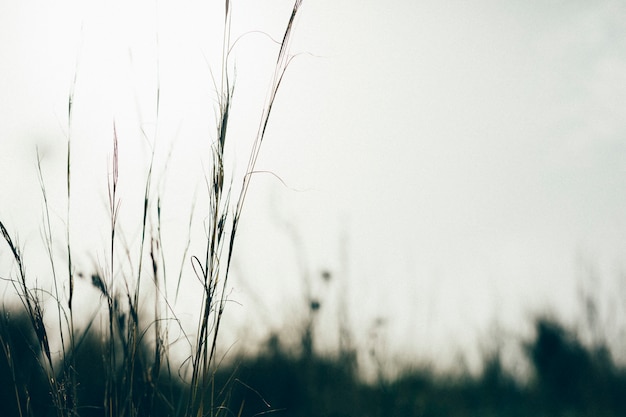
565	378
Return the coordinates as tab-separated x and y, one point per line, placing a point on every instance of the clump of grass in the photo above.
139	377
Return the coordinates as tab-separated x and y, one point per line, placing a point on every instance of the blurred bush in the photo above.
567	379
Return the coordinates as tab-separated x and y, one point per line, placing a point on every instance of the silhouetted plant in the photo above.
285	381
572	377
124	368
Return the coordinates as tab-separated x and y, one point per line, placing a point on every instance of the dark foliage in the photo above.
22	380
572	378
568	379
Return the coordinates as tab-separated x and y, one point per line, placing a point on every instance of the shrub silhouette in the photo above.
298	384
569	379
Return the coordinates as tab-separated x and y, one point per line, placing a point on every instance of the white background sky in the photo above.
471	156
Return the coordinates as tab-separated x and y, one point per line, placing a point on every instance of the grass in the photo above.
119	362
566	378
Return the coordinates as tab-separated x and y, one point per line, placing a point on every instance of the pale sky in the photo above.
452	163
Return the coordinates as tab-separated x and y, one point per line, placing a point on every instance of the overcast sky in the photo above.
450	162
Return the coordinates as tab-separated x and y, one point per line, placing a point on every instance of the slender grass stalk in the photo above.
213	274
132	385
67	377
114	206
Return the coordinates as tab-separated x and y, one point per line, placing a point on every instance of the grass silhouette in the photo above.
118	362
567	378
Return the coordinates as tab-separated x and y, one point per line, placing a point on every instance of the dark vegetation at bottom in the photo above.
567	379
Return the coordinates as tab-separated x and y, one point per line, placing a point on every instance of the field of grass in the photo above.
117	358
566	378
